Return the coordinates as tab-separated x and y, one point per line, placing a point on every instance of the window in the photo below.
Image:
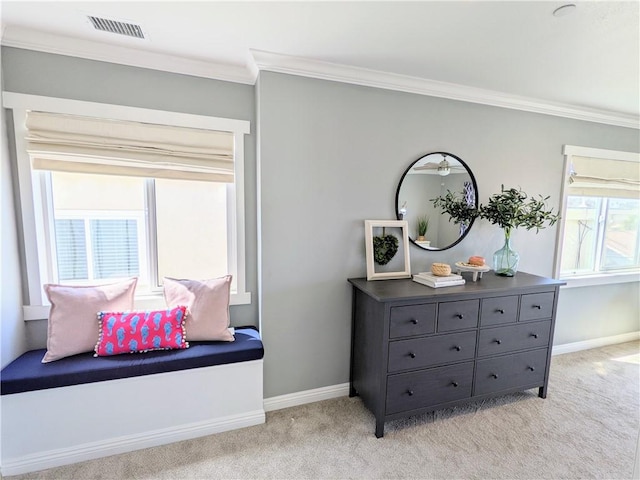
600	225
166	200
112	227
98	236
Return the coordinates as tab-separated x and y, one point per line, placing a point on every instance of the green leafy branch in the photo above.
510	209
457	208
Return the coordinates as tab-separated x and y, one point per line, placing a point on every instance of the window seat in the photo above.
82	407
27	373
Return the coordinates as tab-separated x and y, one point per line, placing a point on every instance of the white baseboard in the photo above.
306	396
341	390
113	446
594	343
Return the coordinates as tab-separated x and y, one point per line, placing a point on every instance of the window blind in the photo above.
73	143
114	245
598	177
71	249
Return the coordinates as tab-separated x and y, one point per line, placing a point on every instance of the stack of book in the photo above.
433	281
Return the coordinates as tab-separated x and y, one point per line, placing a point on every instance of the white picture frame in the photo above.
399	266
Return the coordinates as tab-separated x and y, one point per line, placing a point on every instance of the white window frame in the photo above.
33	194
601	277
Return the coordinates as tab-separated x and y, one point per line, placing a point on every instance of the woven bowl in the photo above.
440	269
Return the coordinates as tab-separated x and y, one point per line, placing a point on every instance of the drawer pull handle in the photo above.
534	335
498	341
500	311
410	393
532	369
537	306
412	355
414	321
494	376
457	348
455	384
460	316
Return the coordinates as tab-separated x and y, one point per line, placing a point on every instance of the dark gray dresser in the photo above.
416	349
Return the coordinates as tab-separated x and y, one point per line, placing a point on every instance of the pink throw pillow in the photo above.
129	332
207	302
72	325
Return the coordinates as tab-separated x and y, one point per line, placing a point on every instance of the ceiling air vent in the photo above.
115	26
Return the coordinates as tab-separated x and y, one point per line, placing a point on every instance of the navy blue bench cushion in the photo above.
27	372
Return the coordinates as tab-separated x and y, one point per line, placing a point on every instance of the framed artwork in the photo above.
387	249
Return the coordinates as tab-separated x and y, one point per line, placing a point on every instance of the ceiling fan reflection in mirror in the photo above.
442	168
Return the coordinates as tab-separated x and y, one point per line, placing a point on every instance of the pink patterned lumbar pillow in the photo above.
129	332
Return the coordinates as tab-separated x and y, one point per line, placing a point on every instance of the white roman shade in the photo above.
598	177
73	143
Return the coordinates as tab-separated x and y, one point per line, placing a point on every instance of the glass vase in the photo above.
505	260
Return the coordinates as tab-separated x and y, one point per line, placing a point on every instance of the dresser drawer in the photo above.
497	310
511	338
535	306
409	391
510	371
411	320
458	315
426	352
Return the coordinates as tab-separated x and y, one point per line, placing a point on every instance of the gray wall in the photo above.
331	155
37	73
593	312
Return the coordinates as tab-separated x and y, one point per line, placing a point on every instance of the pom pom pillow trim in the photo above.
143	331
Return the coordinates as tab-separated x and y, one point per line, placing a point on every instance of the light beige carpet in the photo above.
586	428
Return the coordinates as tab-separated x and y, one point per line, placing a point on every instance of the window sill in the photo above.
144	302
601	279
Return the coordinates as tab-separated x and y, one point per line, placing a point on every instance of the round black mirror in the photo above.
429	177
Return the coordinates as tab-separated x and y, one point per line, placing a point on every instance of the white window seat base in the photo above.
58	426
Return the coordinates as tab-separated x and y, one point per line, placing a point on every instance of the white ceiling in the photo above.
589	59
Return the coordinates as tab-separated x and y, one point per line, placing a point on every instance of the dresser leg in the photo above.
542	392
352	391
379	428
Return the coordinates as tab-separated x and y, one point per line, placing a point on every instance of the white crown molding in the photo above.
50	43
19	37
279	63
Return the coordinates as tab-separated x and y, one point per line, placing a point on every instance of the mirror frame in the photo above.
475	187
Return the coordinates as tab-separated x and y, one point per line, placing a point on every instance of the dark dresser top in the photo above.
407	289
